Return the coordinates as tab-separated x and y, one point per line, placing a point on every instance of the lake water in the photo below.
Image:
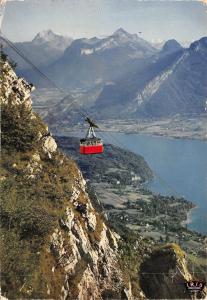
181	163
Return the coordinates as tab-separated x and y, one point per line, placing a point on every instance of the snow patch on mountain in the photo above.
118	38
107	44
87	51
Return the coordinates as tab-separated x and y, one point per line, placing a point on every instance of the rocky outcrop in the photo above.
16	91
92	259
163	275
49	145
13	88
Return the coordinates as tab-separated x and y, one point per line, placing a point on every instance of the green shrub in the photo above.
34	221
19	131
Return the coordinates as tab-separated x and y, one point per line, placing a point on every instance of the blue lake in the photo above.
181	163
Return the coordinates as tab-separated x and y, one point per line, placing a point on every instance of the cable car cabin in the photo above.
91	144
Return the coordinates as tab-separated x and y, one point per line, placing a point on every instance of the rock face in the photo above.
14	87
70	252
164	273
49	145
94	259
15	92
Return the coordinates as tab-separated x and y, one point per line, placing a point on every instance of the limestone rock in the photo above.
15	88
49	145
91	219
36	157
100	271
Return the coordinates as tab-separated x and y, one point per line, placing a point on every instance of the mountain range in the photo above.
174	81
88	62
124	75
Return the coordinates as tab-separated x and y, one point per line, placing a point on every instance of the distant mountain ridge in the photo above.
129	76
45	48
174	82
92	61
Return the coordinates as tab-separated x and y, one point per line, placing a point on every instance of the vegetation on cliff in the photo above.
34	193
53	240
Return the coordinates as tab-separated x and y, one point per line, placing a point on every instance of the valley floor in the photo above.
189	127
193	127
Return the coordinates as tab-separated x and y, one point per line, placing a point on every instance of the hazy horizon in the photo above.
158	21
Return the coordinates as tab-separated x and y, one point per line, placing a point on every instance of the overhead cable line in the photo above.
43	75
82	111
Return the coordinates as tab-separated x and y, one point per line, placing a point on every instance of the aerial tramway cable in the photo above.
82	110
28	61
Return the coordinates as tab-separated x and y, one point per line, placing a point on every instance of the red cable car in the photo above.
91	144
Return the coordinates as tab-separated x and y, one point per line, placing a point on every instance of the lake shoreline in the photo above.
193	138
178	127
152	134
130	205
181	163
188	220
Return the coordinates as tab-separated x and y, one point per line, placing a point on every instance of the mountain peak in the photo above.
171	45
45	35
200	44
47	38
121	32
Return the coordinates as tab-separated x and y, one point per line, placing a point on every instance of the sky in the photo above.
157	20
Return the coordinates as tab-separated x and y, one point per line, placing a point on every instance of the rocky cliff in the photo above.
55	244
